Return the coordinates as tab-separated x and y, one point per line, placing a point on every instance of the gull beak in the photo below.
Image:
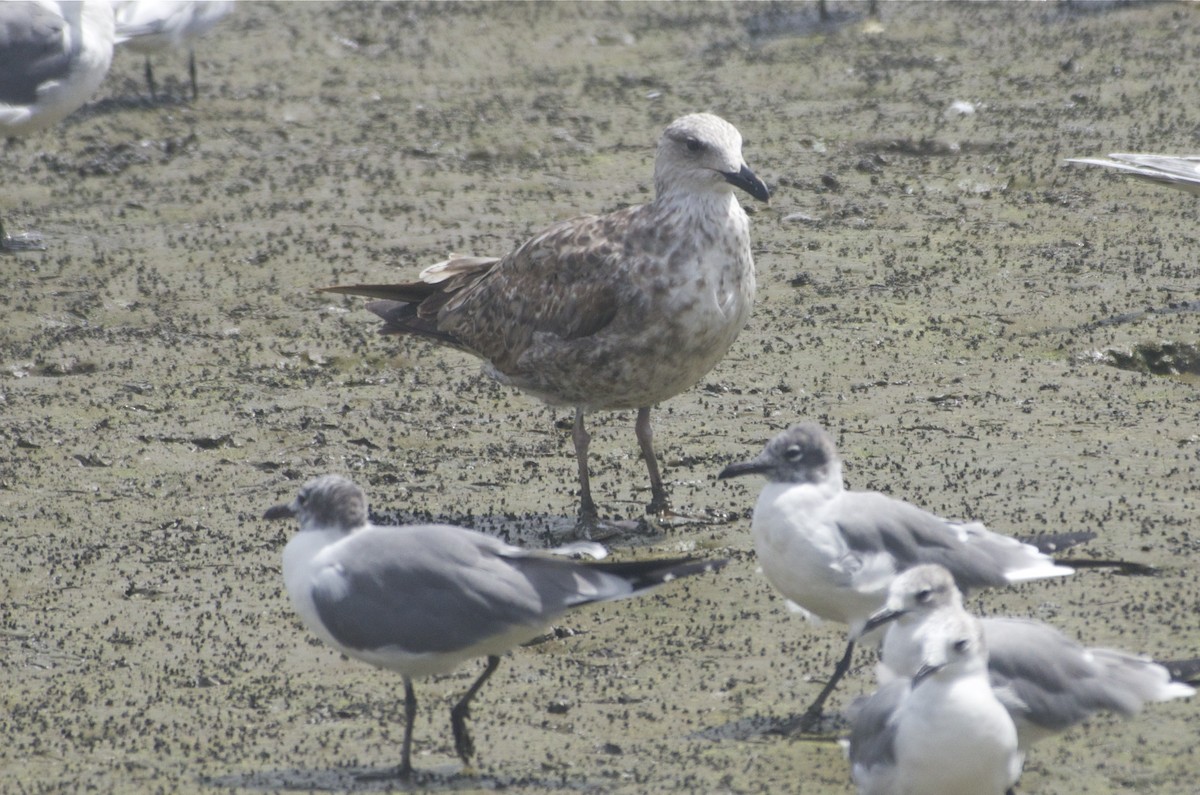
281	511
748	181
752	467
880	619
925	672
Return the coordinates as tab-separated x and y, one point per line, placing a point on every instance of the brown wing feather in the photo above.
558	283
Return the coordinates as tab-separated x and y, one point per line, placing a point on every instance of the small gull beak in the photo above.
281	511
752	467
748	181
925	672
879	619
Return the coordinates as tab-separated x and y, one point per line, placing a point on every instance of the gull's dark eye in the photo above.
794	452
693	145
960	646
302	497
924	595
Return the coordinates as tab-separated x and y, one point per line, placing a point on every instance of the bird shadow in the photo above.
450	777
762	727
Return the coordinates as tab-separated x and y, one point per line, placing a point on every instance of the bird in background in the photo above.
612	312
941	732
152	26
833	553
1047	682
422	599
1182	172
53	57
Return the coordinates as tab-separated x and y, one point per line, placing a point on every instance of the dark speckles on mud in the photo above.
182	276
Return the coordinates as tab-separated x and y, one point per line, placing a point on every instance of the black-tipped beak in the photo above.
744	468
283	511
748	181
880	619
925	672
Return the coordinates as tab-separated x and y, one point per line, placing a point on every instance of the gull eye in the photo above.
693	145
924	595
794	452
960	646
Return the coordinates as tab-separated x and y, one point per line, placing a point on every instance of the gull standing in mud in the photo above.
1170	170
943	732
833	553
151	26
611	312
1046	681
53	57
422	599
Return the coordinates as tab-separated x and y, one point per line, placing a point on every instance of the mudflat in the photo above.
936	287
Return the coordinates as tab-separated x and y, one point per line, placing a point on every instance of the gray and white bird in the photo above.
1046	681
833	553
422	599
610	312
53	57
152	26
1182	172
942	732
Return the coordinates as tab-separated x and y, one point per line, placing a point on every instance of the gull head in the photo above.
702	153
954	648
330	502
803	453
915	593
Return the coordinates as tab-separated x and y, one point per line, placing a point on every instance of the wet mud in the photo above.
934	286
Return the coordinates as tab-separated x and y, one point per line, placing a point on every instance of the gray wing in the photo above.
1047	679
873	734
1176	172
873	523
437	589
31	51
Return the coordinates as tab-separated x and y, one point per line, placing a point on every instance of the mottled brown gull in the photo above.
618	311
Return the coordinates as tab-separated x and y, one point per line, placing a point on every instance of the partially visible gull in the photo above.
1174	171
1046	681
151	26
421	599
619	311
942	732
53	57
833	553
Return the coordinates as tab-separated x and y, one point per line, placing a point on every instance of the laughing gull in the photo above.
421	599
53	57
942	732
610	312
833	553
151	26
1046	681
1176	172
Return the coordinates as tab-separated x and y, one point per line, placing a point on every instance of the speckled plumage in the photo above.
617	311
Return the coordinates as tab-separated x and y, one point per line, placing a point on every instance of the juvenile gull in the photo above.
1046	681
1177	172
53	57
151	26
942	732
833	553
618	311
421	599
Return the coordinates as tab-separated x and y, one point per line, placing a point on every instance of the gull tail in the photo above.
643	574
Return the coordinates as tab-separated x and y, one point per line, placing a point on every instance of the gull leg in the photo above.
150	80
192	73
645	436
588	516
812	716
458	715
410	715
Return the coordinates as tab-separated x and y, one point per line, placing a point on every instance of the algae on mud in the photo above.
931	286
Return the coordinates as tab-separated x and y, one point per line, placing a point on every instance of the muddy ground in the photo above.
935	286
